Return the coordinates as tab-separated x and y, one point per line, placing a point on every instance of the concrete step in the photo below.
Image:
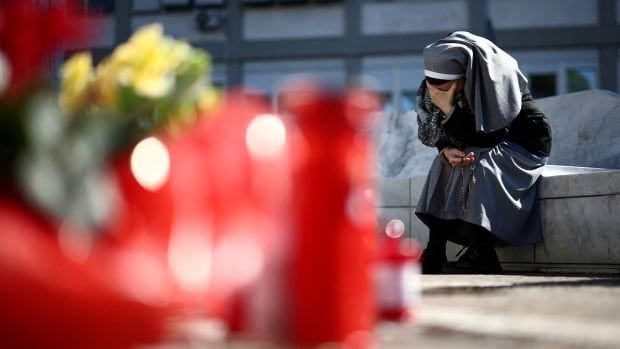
580	210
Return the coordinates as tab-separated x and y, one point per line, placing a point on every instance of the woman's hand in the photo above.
457	158
443	99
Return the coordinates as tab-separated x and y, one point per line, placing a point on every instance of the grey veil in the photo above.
493	82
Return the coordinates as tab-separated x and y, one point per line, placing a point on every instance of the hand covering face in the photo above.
493	82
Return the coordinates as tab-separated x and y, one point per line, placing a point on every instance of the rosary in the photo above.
465	191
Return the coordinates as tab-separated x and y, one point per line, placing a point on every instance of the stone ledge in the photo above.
562	268
580	230
570	181
580	210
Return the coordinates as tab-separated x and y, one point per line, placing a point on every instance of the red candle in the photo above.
397	274
331	292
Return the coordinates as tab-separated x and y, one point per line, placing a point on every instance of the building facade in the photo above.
561	45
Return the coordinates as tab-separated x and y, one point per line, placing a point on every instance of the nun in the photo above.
474	106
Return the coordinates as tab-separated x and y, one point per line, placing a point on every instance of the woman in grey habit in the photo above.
475	108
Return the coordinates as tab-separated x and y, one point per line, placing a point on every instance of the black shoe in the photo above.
433	261
479	259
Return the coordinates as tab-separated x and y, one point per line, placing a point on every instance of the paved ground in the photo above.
484	312
512	311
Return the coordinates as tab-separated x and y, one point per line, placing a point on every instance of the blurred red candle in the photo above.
397	275
332	212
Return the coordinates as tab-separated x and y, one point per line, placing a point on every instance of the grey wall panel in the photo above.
293	22
145	5
414	16
507	14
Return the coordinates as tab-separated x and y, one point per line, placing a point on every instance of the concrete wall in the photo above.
414	16
145	5
581	216
293	23
510	14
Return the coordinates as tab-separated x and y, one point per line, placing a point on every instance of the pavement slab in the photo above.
479	311
511	311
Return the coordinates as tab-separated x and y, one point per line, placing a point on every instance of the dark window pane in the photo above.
290	2
257	2
579	79
214	3
543	85
175	3
100	6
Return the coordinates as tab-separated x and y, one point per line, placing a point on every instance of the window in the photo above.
580	78
543	85
99	6
574	79
209	3
257	2
555	72
176	4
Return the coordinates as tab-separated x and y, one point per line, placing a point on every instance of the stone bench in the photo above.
580	210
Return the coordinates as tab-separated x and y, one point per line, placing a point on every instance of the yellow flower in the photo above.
180	52
151	70
147	63
106	87
76	75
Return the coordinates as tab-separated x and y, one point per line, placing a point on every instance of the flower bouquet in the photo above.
149	84
84	213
